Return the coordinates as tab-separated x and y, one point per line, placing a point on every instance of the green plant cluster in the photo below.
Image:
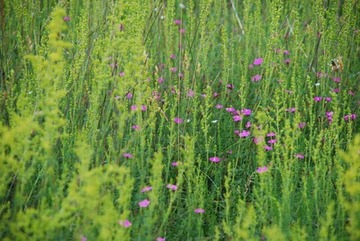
179	120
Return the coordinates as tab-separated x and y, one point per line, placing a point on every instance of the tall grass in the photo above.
192	120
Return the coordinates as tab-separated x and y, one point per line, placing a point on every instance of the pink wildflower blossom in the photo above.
268	148
256	78
257	140
146	189
258	61
299	156
272	141
125	223
246	112
144	203
172	187
178	120
237	118
214	159
302	125
135	127
199	210
248	124
262	169
128	155
244	133
129	95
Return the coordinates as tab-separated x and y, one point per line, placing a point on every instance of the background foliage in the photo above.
192	120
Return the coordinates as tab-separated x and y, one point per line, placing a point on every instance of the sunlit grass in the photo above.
193	120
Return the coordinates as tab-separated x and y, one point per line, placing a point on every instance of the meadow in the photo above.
180	120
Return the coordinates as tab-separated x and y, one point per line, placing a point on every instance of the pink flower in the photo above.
156	95
230	109
270	134
172	187
160	239
172	56
302	125
336	79
330	119
256	78
143	108
174	164
83	238
173	69
237	118
350	117
287	61
218	106
329	113
199	210
160	80
182	30
258	61
246	112
128	155
262	169
135	127
177	21
66	19
129	95
133	107
144	203
178	120
257	140
190	93
248	124
125	223
214	159
146	189
244	133
230	86
317	98
299	156
321	75
173	90
122	74
291	110
328	99
286	52
272	141
268	148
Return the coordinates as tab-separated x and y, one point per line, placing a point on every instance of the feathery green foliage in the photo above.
183	120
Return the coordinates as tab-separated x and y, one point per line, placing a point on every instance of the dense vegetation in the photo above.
192	120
